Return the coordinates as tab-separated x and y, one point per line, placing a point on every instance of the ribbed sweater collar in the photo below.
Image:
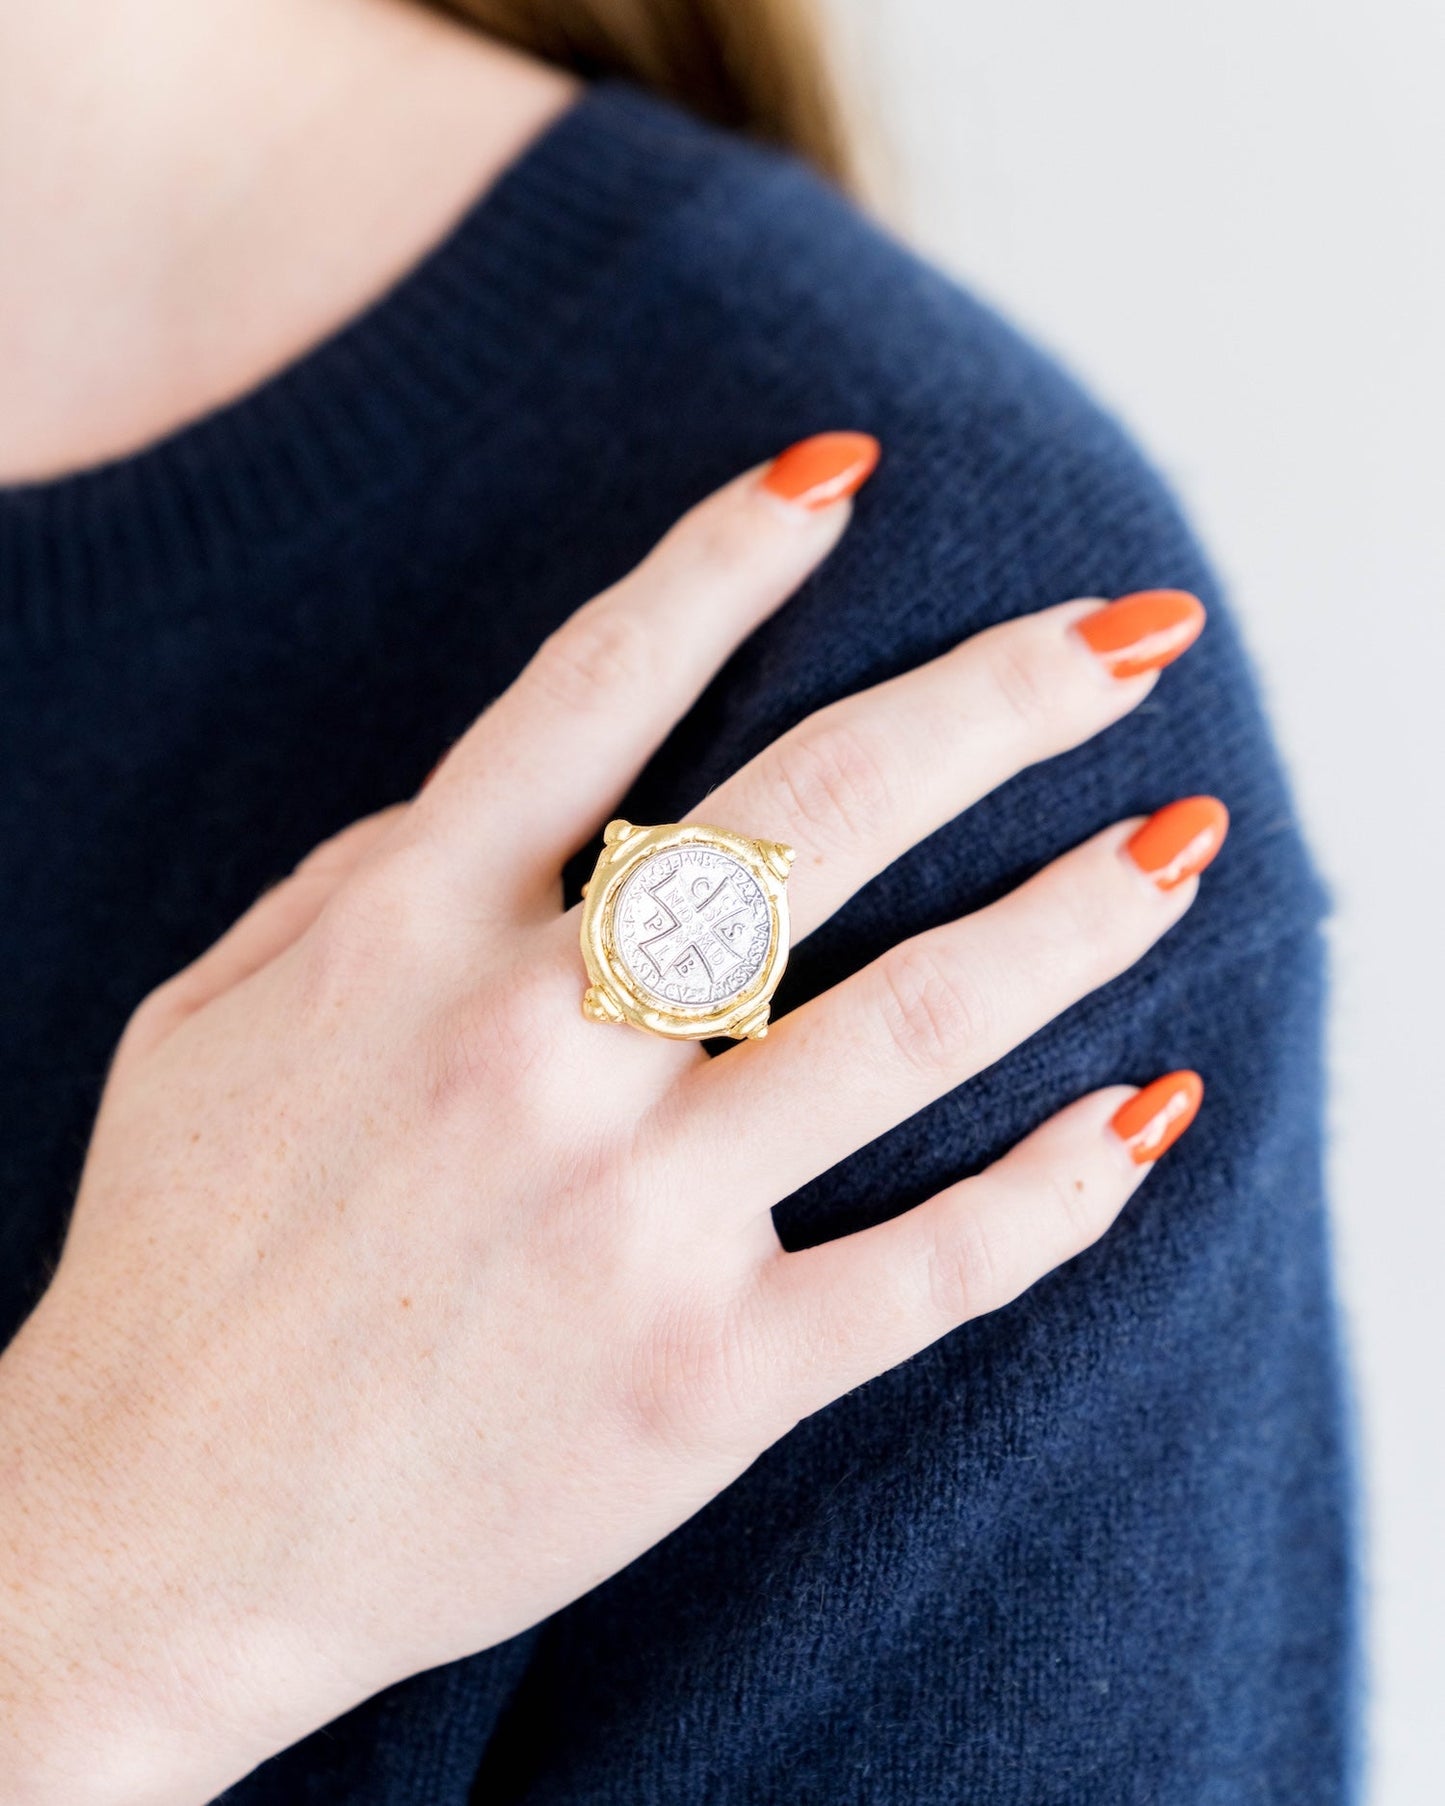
445	347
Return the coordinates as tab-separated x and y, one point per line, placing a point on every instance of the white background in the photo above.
1228	220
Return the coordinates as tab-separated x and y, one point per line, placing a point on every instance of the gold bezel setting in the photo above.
614	995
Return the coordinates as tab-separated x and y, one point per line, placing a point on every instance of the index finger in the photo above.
549	760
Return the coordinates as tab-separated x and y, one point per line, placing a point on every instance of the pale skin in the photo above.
157	155
402	1305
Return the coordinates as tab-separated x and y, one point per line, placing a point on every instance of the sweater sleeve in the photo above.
1095	1547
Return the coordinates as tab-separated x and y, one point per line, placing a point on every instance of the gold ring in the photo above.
685	930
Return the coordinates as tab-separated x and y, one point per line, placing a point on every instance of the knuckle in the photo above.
1072	931
389	916
932	1014
692	1385
1080	1211
1089	922
1023	676
155	1009
332	857
323	858
152	1019
717	539
963	1279
466	1059
1074	1199
507	1043
836	783
727	539
605	650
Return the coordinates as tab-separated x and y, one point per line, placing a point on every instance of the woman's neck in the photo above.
192	192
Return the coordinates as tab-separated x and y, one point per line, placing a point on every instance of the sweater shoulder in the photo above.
807	303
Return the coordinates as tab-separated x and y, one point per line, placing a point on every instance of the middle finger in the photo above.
855	785
934	1011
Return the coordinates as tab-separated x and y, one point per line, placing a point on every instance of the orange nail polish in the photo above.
1180	840
817	472
1144	631
1153	1119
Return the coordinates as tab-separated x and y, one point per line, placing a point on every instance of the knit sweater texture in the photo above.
1092	1550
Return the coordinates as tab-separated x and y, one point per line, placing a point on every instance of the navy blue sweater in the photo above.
1092	1550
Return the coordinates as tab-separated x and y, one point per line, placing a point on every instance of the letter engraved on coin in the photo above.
692	926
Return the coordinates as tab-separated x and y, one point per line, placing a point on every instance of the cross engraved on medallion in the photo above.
693	926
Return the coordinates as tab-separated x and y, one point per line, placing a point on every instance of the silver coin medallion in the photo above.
692	927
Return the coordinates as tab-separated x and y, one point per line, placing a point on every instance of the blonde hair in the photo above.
757	66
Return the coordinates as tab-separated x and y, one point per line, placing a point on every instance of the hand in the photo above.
402	1305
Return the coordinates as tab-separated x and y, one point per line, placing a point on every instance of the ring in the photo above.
685	930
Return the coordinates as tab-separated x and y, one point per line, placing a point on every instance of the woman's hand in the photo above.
402	1305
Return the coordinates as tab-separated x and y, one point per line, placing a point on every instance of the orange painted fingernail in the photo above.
1153	1119
1144	631
1180	840
827	468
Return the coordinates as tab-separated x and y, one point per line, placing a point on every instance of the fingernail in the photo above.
827	468
1144	631
1180	840
1153	1119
